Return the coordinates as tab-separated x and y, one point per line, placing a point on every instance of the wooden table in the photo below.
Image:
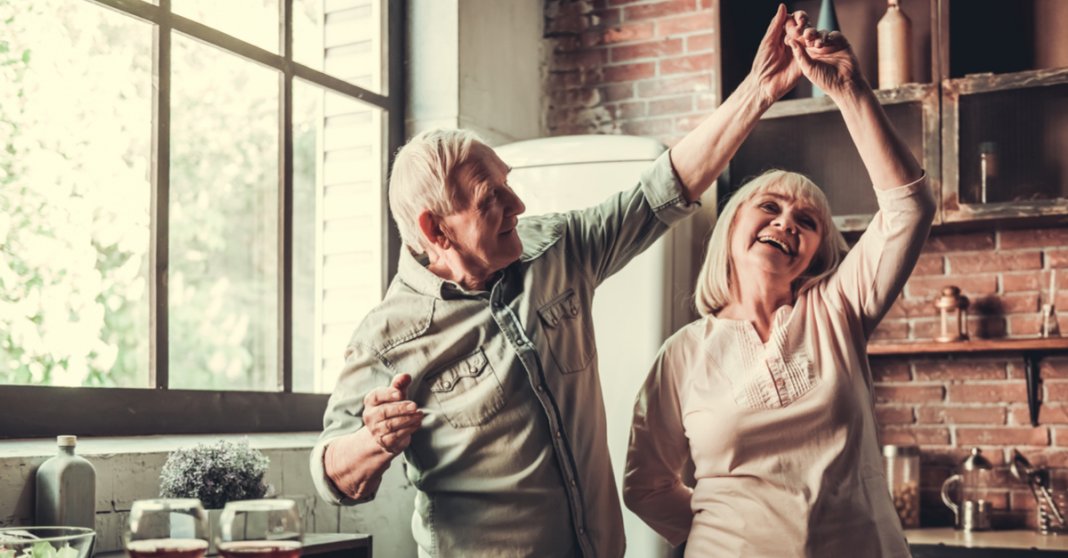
337	545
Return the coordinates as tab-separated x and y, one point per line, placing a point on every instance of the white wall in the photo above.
476	64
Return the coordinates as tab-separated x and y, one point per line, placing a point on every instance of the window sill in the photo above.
123	445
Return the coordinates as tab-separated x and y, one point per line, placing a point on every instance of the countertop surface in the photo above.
1024	539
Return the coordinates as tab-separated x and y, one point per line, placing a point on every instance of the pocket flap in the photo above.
562	307
469	367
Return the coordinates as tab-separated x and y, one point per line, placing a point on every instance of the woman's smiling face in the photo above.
774	234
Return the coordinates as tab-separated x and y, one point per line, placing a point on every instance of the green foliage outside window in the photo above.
75	188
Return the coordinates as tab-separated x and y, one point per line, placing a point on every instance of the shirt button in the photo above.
446	384
573	483
558	434
541	388
582	530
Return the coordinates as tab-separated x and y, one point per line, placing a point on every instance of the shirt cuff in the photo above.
902	192
323	485
664	192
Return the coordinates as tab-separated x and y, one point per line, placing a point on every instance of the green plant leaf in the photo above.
43	550
67	552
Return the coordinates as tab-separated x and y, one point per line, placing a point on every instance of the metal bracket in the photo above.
1032	363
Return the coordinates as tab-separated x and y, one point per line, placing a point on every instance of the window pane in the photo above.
252	21
338	203
223	281
75	128
344	38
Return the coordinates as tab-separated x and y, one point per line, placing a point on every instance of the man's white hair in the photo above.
423	178
713	291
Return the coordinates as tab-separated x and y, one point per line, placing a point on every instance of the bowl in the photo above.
46	542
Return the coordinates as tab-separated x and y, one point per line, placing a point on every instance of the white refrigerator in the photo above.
635	310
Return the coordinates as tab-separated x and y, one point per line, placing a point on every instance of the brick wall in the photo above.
949	405
648	68
631	66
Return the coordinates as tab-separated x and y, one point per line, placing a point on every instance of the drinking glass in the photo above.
260	529
167	528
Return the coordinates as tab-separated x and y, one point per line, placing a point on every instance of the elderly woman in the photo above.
766	400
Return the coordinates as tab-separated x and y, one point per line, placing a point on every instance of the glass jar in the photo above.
903	478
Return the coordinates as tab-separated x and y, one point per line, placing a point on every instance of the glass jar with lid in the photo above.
903	478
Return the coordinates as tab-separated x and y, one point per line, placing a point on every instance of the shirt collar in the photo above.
413	271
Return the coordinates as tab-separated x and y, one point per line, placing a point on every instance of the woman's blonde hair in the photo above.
423	178
713	290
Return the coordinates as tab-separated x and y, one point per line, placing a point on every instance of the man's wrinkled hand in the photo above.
390	417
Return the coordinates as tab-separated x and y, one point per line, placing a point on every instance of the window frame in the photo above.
39	411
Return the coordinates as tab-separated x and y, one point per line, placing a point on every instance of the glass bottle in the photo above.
66	488
828	21
895	37
903	478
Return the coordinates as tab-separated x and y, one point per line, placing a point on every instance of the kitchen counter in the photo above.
951	543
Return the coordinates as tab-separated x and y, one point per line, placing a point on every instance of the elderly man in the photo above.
479	365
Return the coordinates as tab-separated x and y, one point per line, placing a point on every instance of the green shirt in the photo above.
515	421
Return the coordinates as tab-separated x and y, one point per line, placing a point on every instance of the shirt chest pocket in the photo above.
467	392
568	332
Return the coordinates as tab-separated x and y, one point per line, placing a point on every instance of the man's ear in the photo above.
433	233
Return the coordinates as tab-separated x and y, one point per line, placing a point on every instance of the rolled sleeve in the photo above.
607	236
661	186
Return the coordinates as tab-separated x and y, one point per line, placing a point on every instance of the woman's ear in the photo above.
433	231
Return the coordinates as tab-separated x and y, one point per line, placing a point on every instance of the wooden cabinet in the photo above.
809	136
1004	109
987	116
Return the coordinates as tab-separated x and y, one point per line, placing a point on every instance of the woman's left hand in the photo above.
825	58
774	68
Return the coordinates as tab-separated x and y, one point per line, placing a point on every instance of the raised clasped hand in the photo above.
824	57
390	417
774	68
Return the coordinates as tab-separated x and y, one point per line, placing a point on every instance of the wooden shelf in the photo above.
977	346
1032	350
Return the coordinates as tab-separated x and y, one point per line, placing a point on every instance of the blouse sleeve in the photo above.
653	486
873	273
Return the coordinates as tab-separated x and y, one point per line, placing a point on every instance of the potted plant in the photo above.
215	474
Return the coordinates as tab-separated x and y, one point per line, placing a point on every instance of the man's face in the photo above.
482	229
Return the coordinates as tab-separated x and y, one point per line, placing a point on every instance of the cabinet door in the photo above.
809	136
1005	141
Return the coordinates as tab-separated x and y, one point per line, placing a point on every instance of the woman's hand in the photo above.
775	70
825	58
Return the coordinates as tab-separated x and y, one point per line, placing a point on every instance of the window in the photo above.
192	208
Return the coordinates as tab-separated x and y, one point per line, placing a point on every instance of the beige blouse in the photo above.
779	437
